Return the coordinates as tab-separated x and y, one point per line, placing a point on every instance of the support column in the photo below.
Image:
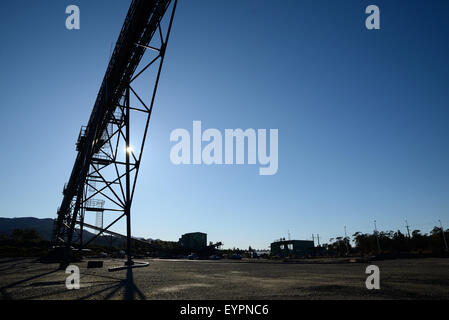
83	212
129	260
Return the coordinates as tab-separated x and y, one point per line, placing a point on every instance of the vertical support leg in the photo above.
129	261
83	211
76	210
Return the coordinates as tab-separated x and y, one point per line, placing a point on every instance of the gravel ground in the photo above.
227	280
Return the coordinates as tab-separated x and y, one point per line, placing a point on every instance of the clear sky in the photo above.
362	115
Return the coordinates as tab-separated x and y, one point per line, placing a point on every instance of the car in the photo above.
193	256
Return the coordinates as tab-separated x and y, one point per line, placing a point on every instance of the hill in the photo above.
43	226
45	229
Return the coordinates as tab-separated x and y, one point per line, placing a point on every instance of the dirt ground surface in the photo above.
25	278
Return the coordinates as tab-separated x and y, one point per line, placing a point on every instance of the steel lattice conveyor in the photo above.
110	117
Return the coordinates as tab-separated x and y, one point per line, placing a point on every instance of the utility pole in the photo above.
377	236
444	236
346	243
408	229
318	236
313	239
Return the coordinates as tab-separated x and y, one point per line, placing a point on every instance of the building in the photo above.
194	240
299	248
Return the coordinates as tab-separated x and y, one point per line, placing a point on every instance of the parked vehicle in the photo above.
193	256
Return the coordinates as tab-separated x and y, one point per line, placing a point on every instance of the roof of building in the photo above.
291	241
194	233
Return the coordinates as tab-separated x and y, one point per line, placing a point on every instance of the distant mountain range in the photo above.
45	229
43	226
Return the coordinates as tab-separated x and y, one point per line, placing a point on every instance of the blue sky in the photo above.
362	115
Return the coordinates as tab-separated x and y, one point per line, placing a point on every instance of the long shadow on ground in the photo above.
131	291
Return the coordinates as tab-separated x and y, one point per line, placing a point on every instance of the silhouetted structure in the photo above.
107	166
194	240
292	247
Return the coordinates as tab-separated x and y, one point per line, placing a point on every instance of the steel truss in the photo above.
105	173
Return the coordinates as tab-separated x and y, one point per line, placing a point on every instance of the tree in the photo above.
25	235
